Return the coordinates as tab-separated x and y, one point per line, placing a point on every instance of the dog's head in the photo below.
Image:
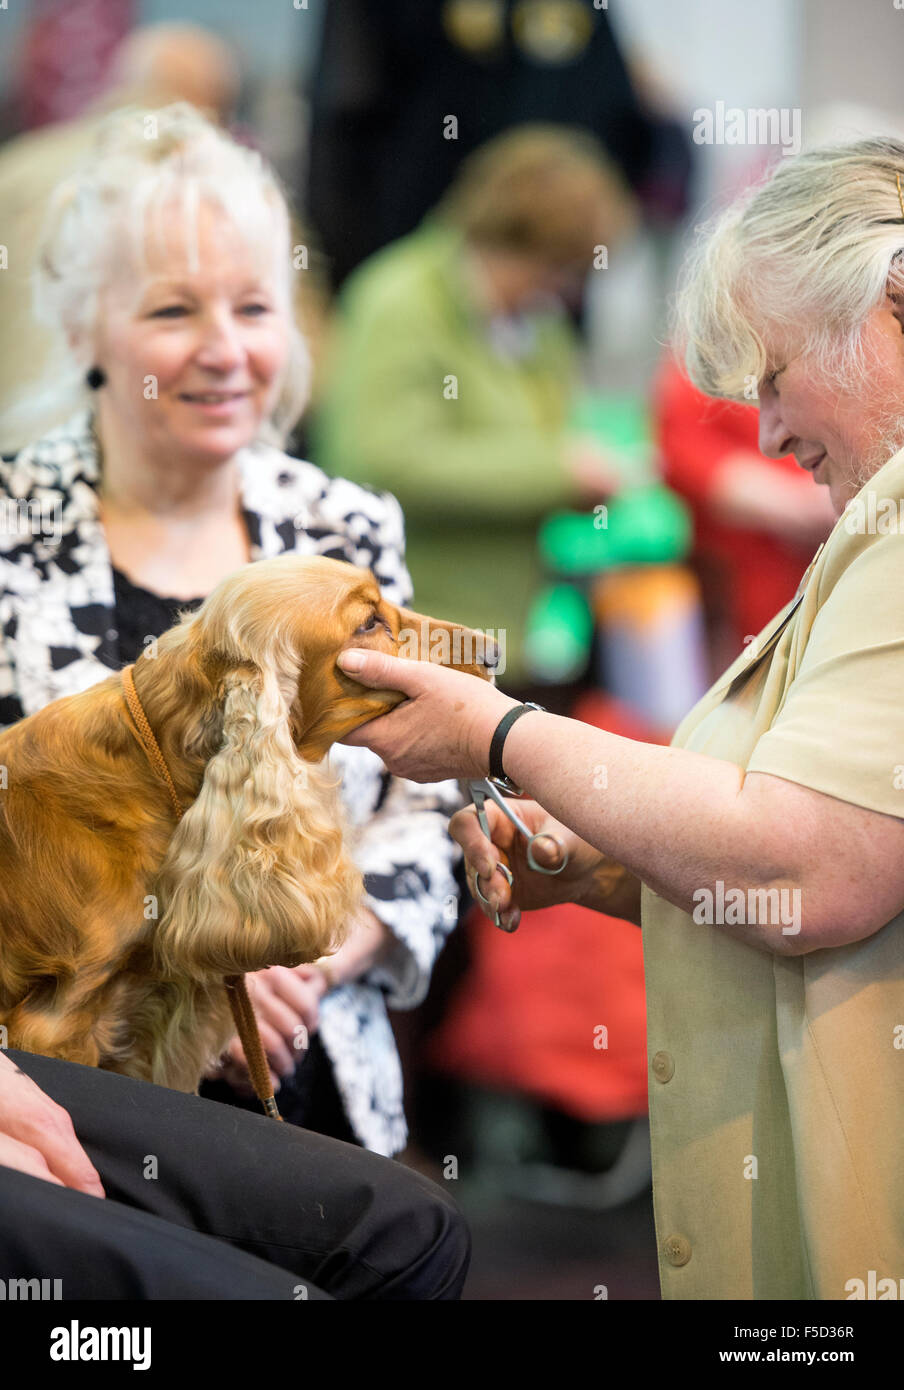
291	617
256	872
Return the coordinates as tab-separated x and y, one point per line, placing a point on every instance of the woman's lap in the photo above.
354	1224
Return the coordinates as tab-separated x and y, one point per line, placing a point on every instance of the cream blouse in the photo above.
777	1083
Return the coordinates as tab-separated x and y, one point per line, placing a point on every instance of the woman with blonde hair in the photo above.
166	271
763	852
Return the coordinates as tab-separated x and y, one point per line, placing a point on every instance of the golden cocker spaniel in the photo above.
120	919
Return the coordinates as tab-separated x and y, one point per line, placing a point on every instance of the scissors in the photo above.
480	790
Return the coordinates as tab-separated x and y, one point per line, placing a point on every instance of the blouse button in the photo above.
677	1250
663	1066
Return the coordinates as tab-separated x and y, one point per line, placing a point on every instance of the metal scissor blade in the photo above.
480	790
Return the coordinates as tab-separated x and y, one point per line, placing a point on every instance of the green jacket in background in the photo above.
418	401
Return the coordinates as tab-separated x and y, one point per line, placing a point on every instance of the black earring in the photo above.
96	377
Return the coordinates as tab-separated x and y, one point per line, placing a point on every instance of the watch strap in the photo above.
497	771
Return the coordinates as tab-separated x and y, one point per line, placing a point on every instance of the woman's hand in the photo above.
530	890
37	1137
285	1001
442	730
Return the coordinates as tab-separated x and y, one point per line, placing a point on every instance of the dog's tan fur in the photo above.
118	923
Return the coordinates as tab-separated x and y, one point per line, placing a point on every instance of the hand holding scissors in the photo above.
481	791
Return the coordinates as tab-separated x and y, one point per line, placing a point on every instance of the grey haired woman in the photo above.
763	852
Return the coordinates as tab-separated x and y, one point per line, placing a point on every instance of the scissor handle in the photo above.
509	878
541	868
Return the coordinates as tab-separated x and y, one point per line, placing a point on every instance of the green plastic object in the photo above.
559	634
649	526
621	426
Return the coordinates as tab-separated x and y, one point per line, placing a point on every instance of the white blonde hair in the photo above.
144	163
806	254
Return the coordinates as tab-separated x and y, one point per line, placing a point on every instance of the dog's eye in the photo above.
372	622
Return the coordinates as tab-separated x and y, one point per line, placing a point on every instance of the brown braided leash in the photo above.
236	988
146	738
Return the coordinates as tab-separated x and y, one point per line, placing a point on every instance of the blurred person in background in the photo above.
455	366
390	78
152	67
757	520
165	278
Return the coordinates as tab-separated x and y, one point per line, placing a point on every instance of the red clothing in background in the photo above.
66	57
749	574
526	1016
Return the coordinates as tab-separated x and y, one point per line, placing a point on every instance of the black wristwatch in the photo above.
497	771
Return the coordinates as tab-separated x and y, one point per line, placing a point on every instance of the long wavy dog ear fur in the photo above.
256	873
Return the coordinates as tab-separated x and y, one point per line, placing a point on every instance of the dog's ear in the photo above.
256	873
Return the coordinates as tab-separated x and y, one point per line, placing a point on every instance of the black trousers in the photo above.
207	1201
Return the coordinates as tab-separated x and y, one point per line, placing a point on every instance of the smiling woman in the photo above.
194	361
171	224
166	274
211	342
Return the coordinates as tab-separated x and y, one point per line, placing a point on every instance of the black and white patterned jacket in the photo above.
57	619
